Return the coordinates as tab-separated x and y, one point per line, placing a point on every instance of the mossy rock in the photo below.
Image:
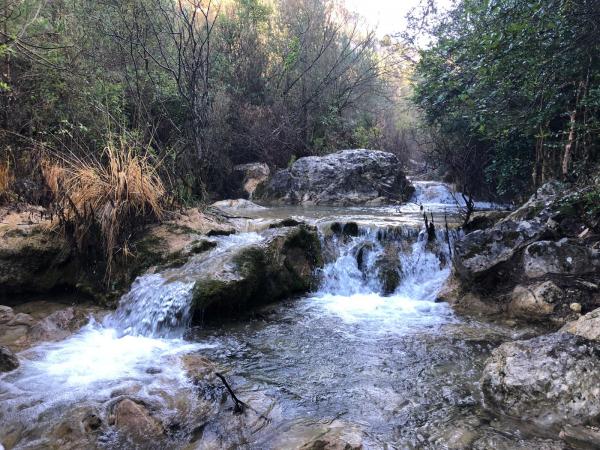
282	265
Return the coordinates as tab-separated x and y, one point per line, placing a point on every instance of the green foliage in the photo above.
505	75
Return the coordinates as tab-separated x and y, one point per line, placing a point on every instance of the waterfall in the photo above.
159	305
353	279
356	264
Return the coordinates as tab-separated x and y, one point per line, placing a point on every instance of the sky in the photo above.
387	15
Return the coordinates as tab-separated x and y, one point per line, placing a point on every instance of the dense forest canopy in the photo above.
513	87
201	84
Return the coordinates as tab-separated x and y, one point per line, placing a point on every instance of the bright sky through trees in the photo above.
387	15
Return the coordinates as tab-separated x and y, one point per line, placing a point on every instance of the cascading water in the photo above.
352	281
389	360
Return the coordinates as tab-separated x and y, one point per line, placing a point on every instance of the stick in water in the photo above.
240	406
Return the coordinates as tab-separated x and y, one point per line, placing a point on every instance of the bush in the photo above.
110	197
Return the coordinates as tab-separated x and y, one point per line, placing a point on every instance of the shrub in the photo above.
110	197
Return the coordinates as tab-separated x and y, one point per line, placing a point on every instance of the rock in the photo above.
334	435
285	223
482	251
58	325
575	307
544	198
8	360
587	326
563	257
249	176
388	268
134	419
281	265
236	205
348	177
536	301
33	260
500	442
581	437
551	380
482	220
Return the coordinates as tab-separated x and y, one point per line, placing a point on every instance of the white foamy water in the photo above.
351	287
141	342
439	197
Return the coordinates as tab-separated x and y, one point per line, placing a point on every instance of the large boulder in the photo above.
348	177
551	380
563	257
482	251
281	264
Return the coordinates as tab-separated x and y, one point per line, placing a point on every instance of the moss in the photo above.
202	246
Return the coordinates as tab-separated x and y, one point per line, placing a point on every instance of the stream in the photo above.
398	370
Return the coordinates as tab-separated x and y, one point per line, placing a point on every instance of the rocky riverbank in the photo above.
540	264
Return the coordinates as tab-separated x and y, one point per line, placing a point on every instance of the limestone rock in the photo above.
482	220
587	326
536	301
134	419
8	360
280	265
562	257
249	176
237	204
348	177
549	380
33	260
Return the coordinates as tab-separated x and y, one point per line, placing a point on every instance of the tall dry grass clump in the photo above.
110	196
6	180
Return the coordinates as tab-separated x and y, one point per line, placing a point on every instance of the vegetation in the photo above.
111	198
203	84
513	88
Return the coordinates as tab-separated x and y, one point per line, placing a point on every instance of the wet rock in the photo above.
8	360
388	268
285	223
91	423
536	301
482	220
348	177
33	260
499	442
134	419
281	265
249	176
587	326
457	438
58	325
552	380
563	257
581	437
350	229
14	328
336	435
236	205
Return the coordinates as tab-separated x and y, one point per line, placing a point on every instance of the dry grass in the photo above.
6	180
113	195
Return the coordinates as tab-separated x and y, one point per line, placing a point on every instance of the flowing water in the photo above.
400	370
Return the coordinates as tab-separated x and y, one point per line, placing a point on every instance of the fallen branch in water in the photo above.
240	406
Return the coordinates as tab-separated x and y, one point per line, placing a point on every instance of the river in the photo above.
399	370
